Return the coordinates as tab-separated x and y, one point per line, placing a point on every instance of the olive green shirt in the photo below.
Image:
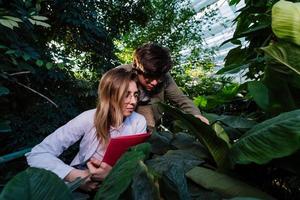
169	91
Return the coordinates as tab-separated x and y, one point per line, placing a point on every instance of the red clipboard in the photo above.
118	145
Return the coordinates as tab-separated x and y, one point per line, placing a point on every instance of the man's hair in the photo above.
152	59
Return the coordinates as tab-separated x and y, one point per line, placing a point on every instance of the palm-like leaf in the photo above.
273	138
207	136
35	184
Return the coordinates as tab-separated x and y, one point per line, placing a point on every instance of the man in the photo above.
152	64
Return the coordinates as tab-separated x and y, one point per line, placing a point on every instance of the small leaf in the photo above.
12	18
4	127
26	57
39	63
49	65
60	65
9	52
39	23
221	133
3	47
38	17
3	91
9	23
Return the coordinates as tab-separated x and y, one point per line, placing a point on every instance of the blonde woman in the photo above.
113	117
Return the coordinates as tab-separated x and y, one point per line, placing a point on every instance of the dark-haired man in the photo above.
152	64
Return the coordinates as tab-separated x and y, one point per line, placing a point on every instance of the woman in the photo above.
114	116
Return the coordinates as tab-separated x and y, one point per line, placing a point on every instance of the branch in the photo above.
36	92
4	75
19	73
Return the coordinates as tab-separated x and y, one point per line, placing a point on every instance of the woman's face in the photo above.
131	99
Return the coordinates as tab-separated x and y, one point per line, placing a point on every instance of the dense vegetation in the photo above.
53	52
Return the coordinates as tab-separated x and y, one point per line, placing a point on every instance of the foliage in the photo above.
130	164
35	183
52	54
224	184
276	92
285	16
273	138
175	25
57	49
217	147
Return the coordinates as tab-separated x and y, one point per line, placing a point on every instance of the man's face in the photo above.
149	82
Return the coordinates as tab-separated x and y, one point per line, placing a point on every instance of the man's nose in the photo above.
154	82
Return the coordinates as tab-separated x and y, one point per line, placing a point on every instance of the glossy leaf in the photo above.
122	173
285	53
260	94
36	184
207	136
273	138
237	122
144	186
223	184
184	159
221	133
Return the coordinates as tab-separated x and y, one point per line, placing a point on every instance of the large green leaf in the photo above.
143	186
36	184
286	53
184	141
122	173
273	138
160	142
171	167
224	184
174	185
216	146
184	159
260	94
237	122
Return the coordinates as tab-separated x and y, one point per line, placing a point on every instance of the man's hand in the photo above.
98	169
203	119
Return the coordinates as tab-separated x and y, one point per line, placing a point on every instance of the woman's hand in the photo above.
98	169
88	185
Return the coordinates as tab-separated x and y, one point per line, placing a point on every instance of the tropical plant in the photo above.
52	54
275	67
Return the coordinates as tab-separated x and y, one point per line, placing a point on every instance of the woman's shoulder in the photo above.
86	117
136	116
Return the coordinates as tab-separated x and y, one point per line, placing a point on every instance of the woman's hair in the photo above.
152	59
111	93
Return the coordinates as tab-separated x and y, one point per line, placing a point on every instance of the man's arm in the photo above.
176	96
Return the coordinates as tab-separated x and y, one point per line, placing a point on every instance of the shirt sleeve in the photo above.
45	155
176	96
141	125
